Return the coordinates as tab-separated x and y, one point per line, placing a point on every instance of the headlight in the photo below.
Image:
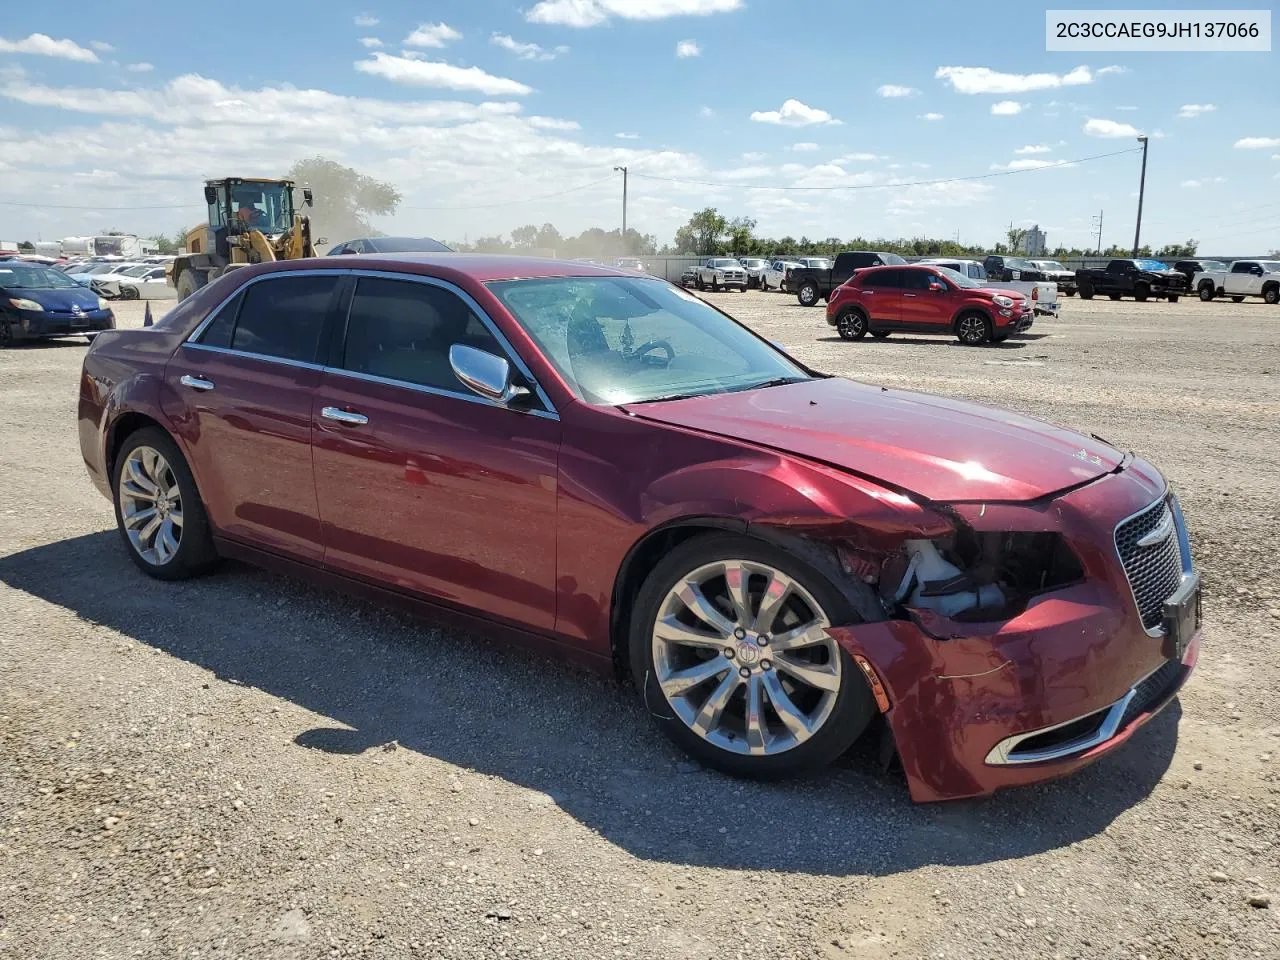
1002	301
102	304
19	303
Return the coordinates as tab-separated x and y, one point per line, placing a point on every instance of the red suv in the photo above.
925	299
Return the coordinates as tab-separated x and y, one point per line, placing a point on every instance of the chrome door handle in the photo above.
911	294
195	383
344	416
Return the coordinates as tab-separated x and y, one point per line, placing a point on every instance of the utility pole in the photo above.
1142	186
624	206
1096	223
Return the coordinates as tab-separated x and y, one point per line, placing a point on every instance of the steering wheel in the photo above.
644	348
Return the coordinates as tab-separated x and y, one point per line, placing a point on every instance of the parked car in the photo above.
755	267
775	556
690	275
812	285
1042	295
631	263
720	273
368	245
1007	268
147	283
1064	278
38	302
84	272
1189	268
1140	279
926	299
775	277
108	284
1246	278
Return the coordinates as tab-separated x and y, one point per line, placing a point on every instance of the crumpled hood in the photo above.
937	448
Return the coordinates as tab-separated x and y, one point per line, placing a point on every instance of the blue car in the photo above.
38	302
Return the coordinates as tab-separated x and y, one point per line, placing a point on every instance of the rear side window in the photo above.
402	330
883	279
284	317
218	332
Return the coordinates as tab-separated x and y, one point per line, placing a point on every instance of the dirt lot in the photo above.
244	766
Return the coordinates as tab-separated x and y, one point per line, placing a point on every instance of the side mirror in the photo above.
306	196
486	374
937	286
211	195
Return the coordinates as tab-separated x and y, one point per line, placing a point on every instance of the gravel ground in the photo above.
246	766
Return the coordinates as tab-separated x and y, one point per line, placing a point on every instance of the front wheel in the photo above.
1086	291
1206	291
730	651
807	294
7	336
1271	295
851	325
1141	292
188	283
973	329
159	512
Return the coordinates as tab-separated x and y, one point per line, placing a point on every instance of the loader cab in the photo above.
237	206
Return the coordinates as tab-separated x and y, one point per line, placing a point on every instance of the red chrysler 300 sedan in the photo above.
602	463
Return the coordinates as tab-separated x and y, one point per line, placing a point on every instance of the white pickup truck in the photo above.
1244	278
1043	294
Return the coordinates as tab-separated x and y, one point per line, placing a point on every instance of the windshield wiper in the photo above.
775	382
666	397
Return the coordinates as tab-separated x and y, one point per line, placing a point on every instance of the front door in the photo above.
923	308
423	485
243	411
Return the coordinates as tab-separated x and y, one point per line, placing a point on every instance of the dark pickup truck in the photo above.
1140	279
813	286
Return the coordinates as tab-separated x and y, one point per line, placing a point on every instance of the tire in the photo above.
188	283
1207	291
808	294
699	282
134	468
7	338
129	292
1086	291
851	325
973	329
1271	294
1141	292
1237	299
838	711
880	334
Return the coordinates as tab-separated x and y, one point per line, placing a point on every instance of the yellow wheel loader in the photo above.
250	221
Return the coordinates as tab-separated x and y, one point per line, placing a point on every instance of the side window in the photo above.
283	317
1241	266
884	279
403	330
218	332
916	279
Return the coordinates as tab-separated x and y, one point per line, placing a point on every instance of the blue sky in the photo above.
490	114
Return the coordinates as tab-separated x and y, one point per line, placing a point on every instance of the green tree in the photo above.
739	231
1187	249
345	199
26	245
524	238
701	234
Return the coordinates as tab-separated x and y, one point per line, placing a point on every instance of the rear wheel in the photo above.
188	283
973	329
730	651
851	325
158	508
1141	292
1086	291
1207	291
807	294
128	292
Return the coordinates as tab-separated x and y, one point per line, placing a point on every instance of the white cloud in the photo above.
688	48
1006	108
525	51
1257	143
101	46
1189	111
805	146
859	158
1109	129
930	195
1202	182
429	73
1033	148
590	13
892	90
1112	69
1125	107
931	116
986	80
706	113
432	35
42	45
793	113
551	123
364	20
370	42
627	136
754	157
1027	164
139	67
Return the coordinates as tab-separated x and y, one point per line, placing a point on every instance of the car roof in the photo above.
481	267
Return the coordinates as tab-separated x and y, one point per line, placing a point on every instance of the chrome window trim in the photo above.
1178	530
1000	753
512	355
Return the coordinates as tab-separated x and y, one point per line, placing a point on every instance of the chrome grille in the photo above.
1154	571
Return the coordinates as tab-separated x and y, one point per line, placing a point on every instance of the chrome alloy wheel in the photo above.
973	329
151	505
741	653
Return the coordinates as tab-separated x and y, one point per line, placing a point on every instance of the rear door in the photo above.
424	485
882	296
243	385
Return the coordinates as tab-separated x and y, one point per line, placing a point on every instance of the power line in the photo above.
882	186
506	203
94	206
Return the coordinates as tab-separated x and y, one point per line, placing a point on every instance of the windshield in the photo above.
1017	263
1150	265
891	259
1271	266
959	279
409	245
621	340
754	263
724	262
135	271
266	207
1050	265
15	276
817	263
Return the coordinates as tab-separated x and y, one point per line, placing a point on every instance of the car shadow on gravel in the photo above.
572	738
916	340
